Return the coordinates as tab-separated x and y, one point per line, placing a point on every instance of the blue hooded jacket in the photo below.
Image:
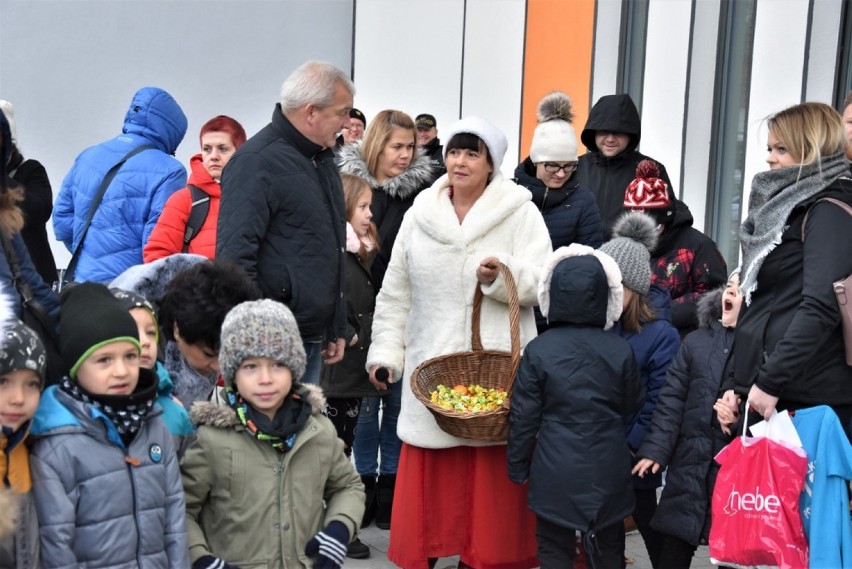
135	197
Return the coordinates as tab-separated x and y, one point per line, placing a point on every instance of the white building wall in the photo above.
664	87
776	75
699	110
71	68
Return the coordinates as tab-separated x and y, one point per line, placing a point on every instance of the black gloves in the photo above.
328	546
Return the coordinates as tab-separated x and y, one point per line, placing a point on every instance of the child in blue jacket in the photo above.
174	414
106	479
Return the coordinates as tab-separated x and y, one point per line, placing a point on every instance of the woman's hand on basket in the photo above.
487	271
378	384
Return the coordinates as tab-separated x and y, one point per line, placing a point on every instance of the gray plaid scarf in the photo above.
774	194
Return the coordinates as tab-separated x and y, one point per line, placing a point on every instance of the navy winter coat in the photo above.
570	212
577	385
655	348
684	434
132	204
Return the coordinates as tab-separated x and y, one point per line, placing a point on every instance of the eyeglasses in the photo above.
553	167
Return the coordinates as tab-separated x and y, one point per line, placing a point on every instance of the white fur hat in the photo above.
492	136
9	111
554	139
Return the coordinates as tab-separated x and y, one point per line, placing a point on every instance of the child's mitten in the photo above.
210	562
329	546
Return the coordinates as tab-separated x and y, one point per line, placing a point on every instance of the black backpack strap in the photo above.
96	201
197	215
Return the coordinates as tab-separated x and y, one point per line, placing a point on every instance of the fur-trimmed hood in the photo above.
709	307
150	280
569	309
418	175
223	417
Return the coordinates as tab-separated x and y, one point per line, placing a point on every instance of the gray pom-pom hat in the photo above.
634	237
260	328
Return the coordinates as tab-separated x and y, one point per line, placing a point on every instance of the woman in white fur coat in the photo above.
453	496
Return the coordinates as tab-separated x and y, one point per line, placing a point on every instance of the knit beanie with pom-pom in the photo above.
554	139
634	237
649	193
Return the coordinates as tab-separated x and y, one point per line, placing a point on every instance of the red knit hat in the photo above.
647	191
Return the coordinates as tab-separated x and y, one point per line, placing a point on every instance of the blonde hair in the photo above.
811	131
353	187
379	132
636	313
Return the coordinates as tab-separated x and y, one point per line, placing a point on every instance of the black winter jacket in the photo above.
390	200
37	207
688	264
282	218
684	434
607	178
349	378
435	152
576	387
789	340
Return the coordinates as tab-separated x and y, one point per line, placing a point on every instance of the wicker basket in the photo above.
488	368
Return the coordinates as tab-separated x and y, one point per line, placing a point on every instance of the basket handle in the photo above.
514	321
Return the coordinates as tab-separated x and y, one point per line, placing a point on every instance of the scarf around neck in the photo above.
774	194
127	412
281	432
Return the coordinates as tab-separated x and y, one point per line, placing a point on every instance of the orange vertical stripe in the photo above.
558	56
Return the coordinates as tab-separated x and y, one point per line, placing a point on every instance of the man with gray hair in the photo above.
282	215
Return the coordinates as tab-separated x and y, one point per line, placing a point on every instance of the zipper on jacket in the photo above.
132	462
544	199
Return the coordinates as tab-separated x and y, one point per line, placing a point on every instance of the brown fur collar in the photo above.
223	417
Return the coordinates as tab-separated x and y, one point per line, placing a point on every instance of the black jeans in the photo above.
557	546
676	553
646	505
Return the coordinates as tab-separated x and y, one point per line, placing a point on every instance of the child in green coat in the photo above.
267	482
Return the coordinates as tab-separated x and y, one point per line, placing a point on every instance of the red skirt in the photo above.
460	501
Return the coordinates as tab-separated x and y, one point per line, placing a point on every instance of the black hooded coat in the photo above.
607	178
684	434
577	385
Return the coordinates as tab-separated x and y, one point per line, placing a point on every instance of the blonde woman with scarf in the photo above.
788	350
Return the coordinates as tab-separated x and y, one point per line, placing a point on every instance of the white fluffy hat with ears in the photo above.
615	298
554	139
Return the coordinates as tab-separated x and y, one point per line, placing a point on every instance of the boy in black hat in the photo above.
106	479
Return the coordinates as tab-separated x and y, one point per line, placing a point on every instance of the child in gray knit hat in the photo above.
646	325
273	443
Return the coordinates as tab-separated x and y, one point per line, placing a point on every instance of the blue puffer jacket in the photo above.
136	196
654	347
99	503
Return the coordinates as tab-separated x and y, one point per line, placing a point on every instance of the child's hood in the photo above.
709	307
52	415
586	289
224	417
